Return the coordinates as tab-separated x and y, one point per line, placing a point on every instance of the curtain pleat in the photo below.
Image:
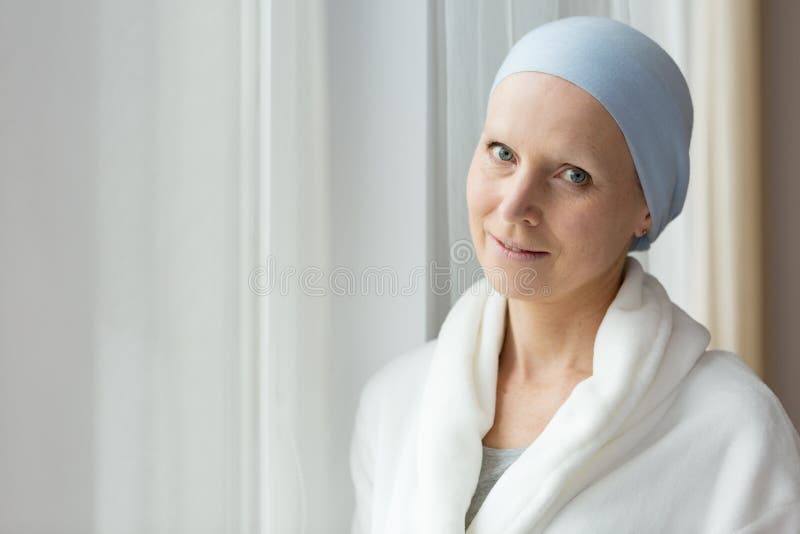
726	242
296	419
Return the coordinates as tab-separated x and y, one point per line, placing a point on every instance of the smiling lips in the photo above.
510	250
514	246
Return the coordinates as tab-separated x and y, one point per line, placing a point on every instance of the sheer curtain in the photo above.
174	398
288	281
160	162
126	353
727	242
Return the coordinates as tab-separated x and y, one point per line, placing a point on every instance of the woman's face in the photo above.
552	172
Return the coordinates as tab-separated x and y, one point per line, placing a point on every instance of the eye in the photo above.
577	176
503	154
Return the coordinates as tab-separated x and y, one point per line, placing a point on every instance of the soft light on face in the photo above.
551	172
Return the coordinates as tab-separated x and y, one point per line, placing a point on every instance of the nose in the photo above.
521	200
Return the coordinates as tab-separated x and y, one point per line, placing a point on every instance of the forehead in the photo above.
545	110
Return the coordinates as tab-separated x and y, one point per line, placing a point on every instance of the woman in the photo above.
565	392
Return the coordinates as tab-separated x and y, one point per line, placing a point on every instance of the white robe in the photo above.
665	436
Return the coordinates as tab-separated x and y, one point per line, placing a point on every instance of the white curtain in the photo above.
289	282
174	393
126	357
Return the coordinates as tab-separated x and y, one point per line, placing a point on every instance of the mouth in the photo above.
514	246
512	250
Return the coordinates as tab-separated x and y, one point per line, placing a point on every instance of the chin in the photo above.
519	283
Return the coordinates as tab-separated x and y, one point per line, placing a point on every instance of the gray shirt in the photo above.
494	464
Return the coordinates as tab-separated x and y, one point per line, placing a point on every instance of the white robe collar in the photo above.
644	347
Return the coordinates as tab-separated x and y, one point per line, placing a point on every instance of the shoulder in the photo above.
728	387
751	444
728	384
743	418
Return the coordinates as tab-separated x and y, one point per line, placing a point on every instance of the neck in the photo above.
549	339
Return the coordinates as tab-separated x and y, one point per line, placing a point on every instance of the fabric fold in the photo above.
644	347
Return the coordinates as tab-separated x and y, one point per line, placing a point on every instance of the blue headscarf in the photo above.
639	85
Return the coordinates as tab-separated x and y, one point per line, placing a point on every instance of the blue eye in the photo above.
504	154
577	176
581	175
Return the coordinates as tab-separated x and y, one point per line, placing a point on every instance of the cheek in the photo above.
596	233
480	203
479	195
578	219
590	229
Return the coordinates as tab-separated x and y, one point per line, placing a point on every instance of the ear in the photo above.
644	209
645	221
